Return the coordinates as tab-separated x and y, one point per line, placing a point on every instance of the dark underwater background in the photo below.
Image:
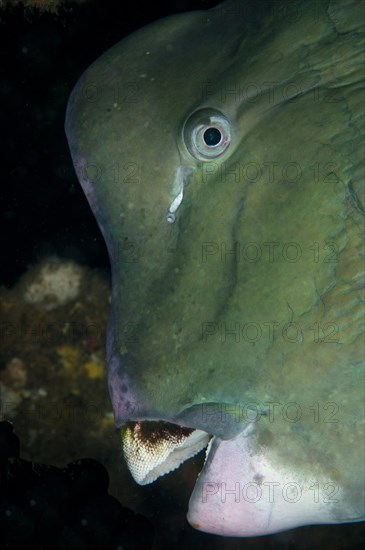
44	214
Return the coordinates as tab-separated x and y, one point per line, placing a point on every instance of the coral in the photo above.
53	283
94	368
15	373
52	368
13	379
69	356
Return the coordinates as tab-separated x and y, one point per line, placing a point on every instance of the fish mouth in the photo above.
154	448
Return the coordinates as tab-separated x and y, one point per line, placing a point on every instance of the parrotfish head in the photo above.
222	155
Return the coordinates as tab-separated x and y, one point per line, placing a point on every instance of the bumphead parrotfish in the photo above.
221	152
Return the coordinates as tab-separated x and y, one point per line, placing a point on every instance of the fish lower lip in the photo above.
153	449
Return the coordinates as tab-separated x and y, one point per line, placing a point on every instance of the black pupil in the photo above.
212	137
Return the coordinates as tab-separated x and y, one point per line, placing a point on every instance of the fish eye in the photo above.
212	137
207	134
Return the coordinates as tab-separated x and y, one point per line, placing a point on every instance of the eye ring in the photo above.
207	134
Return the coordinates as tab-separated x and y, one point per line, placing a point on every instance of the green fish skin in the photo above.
222	153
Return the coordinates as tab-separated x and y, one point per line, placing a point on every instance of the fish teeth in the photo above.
153	449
